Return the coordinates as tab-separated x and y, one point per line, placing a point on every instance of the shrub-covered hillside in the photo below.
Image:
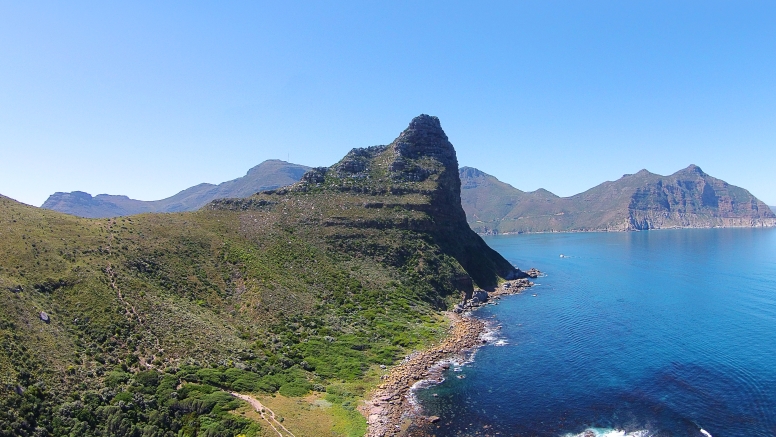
136	326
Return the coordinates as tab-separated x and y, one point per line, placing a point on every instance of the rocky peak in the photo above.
693	169
425	137
357	163
639	174
472	178
269	163
470	172
422	151
421	161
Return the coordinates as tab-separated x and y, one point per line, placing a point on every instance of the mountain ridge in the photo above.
270	174
141	325
637	201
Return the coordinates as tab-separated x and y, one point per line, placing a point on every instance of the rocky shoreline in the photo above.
391	409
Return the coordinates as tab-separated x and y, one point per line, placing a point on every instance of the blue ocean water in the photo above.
660	333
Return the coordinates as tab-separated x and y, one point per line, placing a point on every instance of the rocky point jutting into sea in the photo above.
420	162
392	409
145	324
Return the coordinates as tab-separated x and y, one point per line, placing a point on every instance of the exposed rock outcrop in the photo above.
688	198
420	166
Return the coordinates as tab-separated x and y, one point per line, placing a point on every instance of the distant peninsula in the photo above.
688	198
268	175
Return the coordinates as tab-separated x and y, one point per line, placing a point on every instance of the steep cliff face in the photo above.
423	162
309	285
423	152
412	186
691	198
640	201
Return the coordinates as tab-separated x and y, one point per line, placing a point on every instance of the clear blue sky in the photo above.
148	98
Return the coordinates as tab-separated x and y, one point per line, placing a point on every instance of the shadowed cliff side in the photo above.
410	185
137	325
688	198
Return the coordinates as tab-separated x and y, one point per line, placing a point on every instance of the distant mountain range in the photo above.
688	198
268	175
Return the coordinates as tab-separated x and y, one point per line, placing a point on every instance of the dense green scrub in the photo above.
145	403
136	325
190	297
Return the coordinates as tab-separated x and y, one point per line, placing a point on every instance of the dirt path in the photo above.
266	414
128	307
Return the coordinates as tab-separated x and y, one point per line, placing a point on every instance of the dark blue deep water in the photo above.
644	333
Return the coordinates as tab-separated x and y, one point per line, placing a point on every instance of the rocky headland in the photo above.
392	409
481	297
297	289
689	198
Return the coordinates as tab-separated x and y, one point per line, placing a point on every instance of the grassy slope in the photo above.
211	288
151	315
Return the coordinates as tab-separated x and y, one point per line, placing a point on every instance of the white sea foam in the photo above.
491	336
608	432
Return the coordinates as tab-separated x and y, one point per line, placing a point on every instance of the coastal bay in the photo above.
645	333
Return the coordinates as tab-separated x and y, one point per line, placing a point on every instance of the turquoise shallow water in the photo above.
644	333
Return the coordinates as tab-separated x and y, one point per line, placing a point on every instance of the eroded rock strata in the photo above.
688	198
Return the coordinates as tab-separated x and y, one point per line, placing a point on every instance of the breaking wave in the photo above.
607	432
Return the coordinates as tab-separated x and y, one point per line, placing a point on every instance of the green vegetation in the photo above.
272	310
145	403
150	318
